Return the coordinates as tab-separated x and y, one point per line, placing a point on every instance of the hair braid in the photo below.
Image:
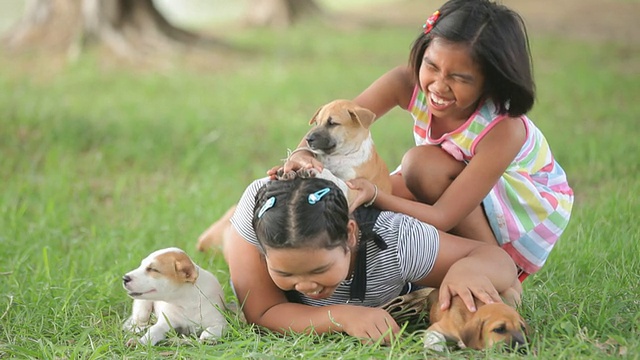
293	222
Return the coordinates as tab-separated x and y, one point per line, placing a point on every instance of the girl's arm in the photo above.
469	269
264	304
493	155
392	89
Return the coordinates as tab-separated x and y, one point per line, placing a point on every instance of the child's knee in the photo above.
513	295
427	183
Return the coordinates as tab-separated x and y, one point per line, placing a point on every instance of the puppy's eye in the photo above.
331	122
150	269
502	329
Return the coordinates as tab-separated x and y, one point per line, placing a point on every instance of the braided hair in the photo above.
498	42
285	216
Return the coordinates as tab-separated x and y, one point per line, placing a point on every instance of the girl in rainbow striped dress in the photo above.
481	168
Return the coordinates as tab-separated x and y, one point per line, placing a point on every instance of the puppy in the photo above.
341	140
489	325
182	295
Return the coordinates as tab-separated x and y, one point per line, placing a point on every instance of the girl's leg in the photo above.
399	188
428	171
214	236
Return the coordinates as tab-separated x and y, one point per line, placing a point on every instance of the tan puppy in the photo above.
182	295
489	325
341	140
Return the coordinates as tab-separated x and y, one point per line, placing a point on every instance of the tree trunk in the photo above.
49	25
281	13
130	28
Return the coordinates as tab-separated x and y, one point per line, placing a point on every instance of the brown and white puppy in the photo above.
182	295
489	325
342	142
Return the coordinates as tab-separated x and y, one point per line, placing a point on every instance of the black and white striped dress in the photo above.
412	247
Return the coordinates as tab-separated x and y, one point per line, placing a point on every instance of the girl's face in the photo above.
451	80
311	271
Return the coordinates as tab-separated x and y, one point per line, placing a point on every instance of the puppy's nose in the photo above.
126	279
310	139
518	343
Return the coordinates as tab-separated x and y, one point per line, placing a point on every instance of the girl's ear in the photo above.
352	234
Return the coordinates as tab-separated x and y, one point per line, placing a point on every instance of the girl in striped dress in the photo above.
481	168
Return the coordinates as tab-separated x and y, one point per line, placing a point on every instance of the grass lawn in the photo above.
99	166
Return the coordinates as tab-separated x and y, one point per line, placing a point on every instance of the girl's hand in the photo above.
368	324
469	287
299	160
365	192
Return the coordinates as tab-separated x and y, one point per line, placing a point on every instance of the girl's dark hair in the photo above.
293	222
498	41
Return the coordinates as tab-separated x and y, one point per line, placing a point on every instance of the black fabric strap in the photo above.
366	218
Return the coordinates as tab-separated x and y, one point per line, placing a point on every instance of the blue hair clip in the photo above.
267	205
316	196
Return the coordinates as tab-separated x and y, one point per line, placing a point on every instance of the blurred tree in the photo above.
130	28
281	13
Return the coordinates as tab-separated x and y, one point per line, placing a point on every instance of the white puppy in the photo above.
183	296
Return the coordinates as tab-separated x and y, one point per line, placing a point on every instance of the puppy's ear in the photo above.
314	118
472	335
186	270
363	116
526	329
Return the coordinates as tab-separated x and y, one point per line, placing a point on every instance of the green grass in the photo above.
99	166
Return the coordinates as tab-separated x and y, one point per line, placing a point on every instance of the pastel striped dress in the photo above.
529	207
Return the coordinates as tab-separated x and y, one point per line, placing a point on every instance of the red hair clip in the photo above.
431	21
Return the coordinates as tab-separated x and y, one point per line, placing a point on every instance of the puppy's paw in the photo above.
307	173
131	343
435	341
134	325
281	175
209	341
212	333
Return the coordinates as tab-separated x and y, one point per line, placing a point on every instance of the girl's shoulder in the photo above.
415	243
249	195
243	215
401	228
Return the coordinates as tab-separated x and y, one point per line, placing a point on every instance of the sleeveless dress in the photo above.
530	205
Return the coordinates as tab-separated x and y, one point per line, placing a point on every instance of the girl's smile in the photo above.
315	273
439	103
452	81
